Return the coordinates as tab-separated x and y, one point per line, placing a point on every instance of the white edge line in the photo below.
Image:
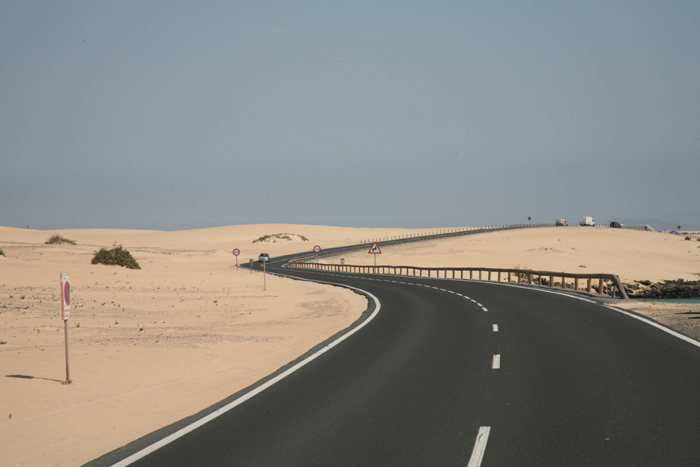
202	421
496	365
656	325
479	446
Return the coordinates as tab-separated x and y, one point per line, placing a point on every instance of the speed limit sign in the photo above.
317	249
236	252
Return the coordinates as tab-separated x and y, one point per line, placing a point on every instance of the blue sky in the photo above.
173	115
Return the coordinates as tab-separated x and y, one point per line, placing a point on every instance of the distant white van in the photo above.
586	220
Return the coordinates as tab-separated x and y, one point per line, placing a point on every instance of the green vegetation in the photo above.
57	239
2	252
280	236
116	256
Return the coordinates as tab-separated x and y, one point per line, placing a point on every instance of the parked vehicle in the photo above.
615	225
264	258
561	222
586	220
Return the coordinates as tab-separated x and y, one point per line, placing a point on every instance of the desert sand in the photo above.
149	347
631	254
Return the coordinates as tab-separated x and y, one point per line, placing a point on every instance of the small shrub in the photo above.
279	236
58	239
2	253
687	238
117	256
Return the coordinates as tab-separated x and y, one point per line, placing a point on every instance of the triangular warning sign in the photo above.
375	249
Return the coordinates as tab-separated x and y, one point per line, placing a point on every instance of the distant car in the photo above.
561	222
674	232
263	258
615	225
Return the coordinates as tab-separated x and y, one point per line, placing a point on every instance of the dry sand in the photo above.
151	346
631	254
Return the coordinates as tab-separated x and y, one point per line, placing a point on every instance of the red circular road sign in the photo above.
236	252
66	293
317	249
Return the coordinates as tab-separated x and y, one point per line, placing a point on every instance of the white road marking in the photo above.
656	325
202	421
495	328
479	447
496	364
484	308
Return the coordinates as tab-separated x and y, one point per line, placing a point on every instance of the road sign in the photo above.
236	252
317	249
65	312
375	249
65	295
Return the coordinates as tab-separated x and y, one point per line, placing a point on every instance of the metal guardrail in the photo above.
529	276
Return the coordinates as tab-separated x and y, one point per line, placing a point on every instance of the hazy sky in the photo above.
175	115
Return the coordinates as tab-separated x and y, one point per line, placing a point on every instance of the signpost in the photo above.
374	250
236	252
317	250
65	314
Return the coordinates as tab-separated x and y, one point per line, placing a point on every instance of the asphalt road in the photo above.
457	373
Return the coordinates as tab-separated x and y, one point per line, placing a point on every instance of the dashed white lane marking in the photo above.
479	304
495	328
479	447
484	308
496	363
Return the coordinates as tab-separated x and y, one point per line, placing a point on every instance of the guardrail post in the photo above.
588	287
529	278
600	285
489	276
576	284
479	274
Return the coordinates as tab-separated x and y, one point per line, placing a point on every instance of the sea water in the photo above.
670	300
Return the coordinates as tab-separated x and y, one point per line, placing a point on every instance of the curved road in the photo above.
458	373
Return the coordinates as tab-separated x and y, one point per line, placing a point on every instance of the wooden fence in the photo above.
529	276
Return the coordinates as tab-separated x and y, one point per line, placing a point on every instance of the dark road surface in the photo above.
539	378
